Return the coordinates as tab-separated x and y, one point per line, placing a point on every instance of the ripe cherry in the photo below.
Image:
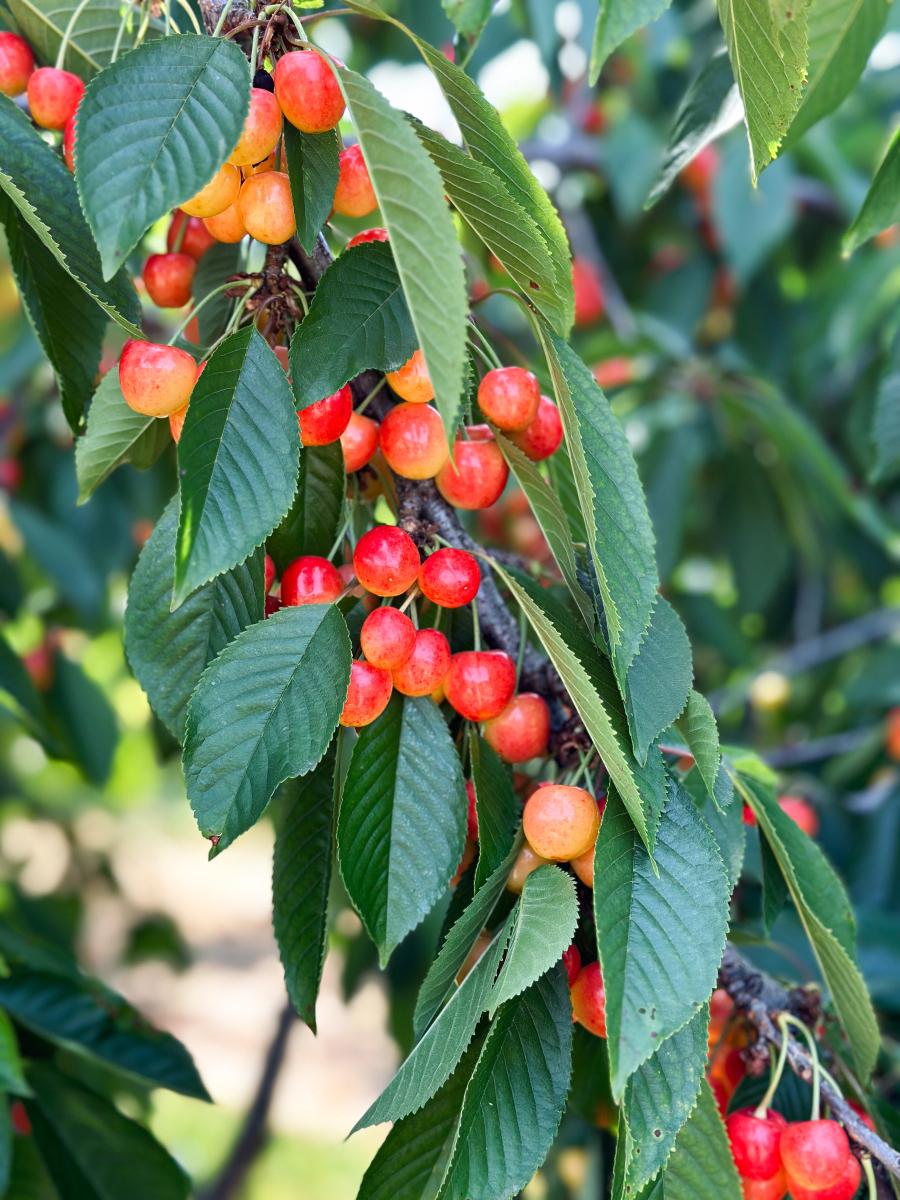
543	437
426	667
413	442
272	605
217	195
359	441
589	1000
227	226
310	579
368	235
802	812
892	735
763	1189
521	731
755	1141
572	962
53	96
267	208
729	1067
16	64
481	471
721	1006
168	279
176	423
471	812
309	95
412	382
527	862
509	396
561	822
368	694
387	638
195	240
355	196
68	143
614	372
845	1188
719	1095
325	421
814	1153
155	380
589	302
449	577
261	131
270	573
480	684
583	866
481	944
386	561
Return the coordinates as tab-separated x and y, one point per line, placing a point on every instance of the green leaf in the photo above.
11	1077
562	480
516	1096
886	419
616	21
237	460
767	45
725	821
697	726
153	129
93	35
218	264
496	806
92	1151
701	1167
63	557
264	711
301	876
469	16
620	536
589	1093
544	925
659	679
660	936
312	522
422	237
774	886
40	185
711	106
115	434
169	651
881	206
358	319
16	682
313	163
82	720
401	828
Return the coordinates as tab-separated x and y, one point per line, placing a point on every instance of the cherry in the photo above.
386	561
355	196
482	942
387	638
754	1142
325	421
367	696
719	1095
412	382
721	1006
53	96
16	64
481	471
764	1189
701	170
368	235
845	1188
359	441
472	812
309	95
480	684
176	423
802	812
561	822
892	735
583	866
227	226
272	605
310	579
168	279
426	667
589	302
509	396
261	131
155	380
19	1119
589	1000
521	731
527	862
412	441
614	372
814	1153
220	193
267	208
543	437
68	143
863	1115
195	240
572	962
270	574
729	1068
449	577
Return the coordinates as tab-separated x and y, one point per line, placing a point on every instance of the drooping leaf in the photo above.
264	711
701	1166
616	21
496	807
516	1096
401	829
301	875
153	129
169	651
697	726
660	936
469	16
711	106
62	557
544	925
886	418
659	679
881	206
217	265
115	434
11	1077
81	719
589	1092
16	682
313	165
359	318
237	460
774	886
41	187
312	522
725	821
93	35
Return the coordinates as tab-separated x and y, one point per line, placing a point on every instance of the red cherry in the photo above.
270	574
16	64
721	1006
359	441
413	442
176	423
614	372
543	437
589	1000
561	822
19	1119
53	96
386	561
814	1153
310	580
748	816
754	1142
308	92
589	303
892	735
355	196
572	962
720	1095
68	143
155	380
802	812
168	279
765	1189
387	638
509	396
700	171
729	1068
261	131
196	239
481	471
411	382
368	694
521	731
845	1188
472	813
427	665
863	1115
325	421
368	235
273	604
480	683
449	577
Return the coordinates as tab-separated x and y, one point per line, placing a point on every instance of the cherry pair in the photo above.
808	1158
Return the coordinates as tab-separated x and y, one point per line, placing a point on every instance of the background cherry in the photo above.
359	441
509	396
589	999
16	63
368	235
543	436
168	279
561	822
522	730
355	196
195	240
572	962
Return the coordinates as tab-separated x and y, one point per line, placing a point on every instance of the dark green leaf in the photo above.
11	1077
313	165
496	806
544	925
264	711
29	1178
93	35
881	206
169	651
616	21
312	523
62	556
16	682
725	820
217	265
237	460
701	1167
886	419
82	720
589	1092
115	434
6	1150
659	679
153	129
774	886
697	726
469	16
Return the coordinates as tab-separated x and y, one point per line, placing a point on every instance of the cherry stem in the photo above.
476	628
340	537
190	12
223	15
254	53
70	29
410	599
774	1078
374	392
179	239
206	299
489	350
289	12
866	1161
129	11
785	1019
